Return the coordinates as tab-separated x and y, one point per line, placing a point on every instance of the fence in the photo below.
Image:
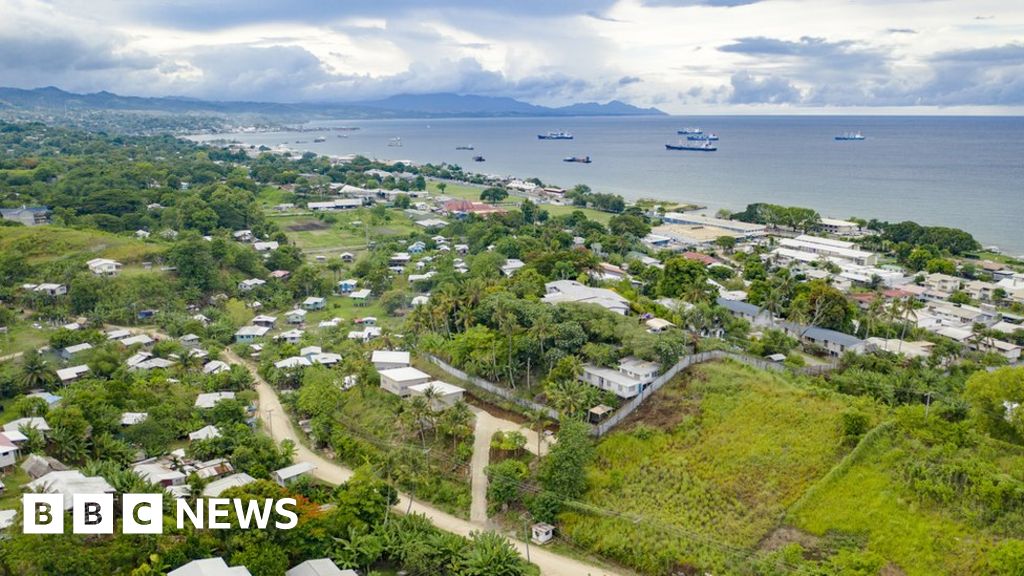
685	362
491	387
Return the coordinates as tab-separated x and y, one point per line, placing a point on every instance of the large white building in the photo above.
816	247
627	381
561	291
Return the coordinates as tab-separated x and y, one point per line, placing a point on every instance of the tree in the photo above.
819	304
493	194
36	371
562	473
687	279
727	243
996	398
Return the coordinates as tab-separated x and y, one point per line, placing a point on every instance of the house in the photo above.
8	453
325	358
347	286
68	483
445	394
243	235
280	274
360	296
916	349
366	334
72	373
398	380
202	319
137	340
347	257
215	367
511	266
332	323
133	418
103	266
314	303
159	473
250	284
51	289
34	422
293	336
189	340
319	567
247	334
289	474
388	359
210	399
746	311
943	283
151	364
215	488
399	259
632	375
839	227
37	466
297	316
429	223
264	321
833	342
209	567
462	249
70	352
204	433
561	291
541	533
609	272
417	247
979	290
465	207
26	215
819	247
658	325
268	246
292	362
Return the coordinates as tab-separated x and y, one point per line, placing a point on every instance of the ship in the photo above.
712	137
479	159
689	130
395	142
466	147
555	136
579	159
850	136
319	139
697	146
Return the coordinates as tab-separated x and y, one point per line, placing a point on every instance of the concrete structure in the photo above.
399	380
561	291
388	359
632	375
26	215
103	266
289	474
827	247
736	227
839	227
446	395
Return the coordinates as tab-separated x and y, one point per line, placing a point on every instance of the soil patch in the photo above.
308	226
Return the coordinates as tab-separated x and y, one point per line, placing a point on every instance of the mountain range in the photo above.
398	106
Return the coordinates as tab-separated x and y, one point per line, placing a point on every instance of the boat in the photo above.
689	130
555	136
395	142
319	139
579	159
712	137
850	136
467	147
704	146
479	159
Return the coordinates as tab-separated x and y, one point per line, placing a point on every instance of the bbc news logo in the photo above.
143	513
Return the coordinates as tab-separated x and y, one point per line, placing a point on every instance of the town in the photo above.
515	370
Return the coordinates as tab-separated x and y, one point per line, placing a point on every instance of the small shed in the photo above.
542	533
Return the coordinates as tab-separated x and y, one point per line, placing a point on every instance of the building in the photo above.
215	488
247	334
51	289
72	373
366	334
70	352
103	266
445	394
156	472
816	248
133	418
839	227
913	349
205	433
347	286
399	380
736	227
36	422
541	533
319	567
26	215
293	336
831	341
268	246
335	205
209	567
746	311
627	381
314	303
943	283
68	483
389	359
465	207
210	399
264	321
250	284
561	291
289	474
511	266
297	316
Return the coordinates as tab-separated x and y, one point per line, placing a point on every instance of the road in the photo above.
486	426
280	427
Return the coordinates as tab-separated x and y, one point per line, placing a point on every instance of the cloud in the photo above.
747	89
901	31
711	3
627	80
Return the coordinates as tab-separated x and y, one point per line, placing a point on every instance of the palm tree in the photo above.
508	324
541	330
418	411
537	419
36	371
570	397
908	313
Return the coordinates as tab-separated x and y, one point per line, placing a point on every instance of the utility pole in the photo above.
270	421
927	403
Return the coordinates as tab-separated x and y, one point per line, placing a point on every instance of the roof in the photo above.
210	399
825	335
294	470
36	422
442	388
360	294
130	418
739	307
209	567
252	331
215	488
204	433
319	567
404	374
390	357
215	367
156	472
68	483
572	291
292	362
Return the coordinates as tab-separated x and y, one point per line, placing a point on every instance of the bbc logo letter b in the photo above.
93	514
43	513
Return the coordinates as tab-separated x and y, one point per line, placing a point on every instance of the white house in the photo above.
446	395
51	289
314	303
204	433
297	316
511	266
366	334
388	359
70	352
159	473
67	483
632	375
133	418
289	474
215	367
250	284
8	453
268	246
35	422
247	334
398	380
72	373
103	266
210	399
263	320
292	336
292	362
215	488
561	291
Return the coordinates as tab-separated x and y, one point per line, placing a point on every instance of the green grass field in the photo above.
468	192
42	244
722	452
348	231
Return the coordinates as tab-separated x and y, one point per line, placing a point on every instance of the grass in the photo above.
14	480
311	233
467	192
22	337
41	244
868	500
723	450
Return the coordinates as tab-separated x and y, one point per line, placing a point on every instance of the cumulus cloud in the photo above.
747	89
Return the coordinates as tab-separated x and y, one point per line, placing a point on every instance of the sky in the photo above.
683	56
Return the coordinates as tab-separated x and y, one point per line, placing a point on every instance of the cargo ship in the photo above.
395	142
465	147
697	146
689	130
555	136
850	136
579	159
479	159
712	137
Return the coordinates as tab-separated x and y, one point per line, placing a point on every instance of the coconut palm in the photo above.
36	371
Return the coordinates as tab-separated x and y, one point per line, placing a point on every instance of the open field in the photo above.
41	244
720	454
469	192
343	230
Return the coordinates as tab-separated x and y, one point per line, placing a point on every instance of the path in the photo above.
486	426
280	428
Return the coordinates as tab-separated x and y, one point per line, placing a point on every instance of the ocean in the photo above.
964	172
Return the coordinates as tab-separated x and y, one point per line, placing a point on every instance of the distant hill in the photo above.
400	106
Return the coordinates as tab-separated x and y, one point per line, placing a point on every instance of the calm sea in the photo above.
961	172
